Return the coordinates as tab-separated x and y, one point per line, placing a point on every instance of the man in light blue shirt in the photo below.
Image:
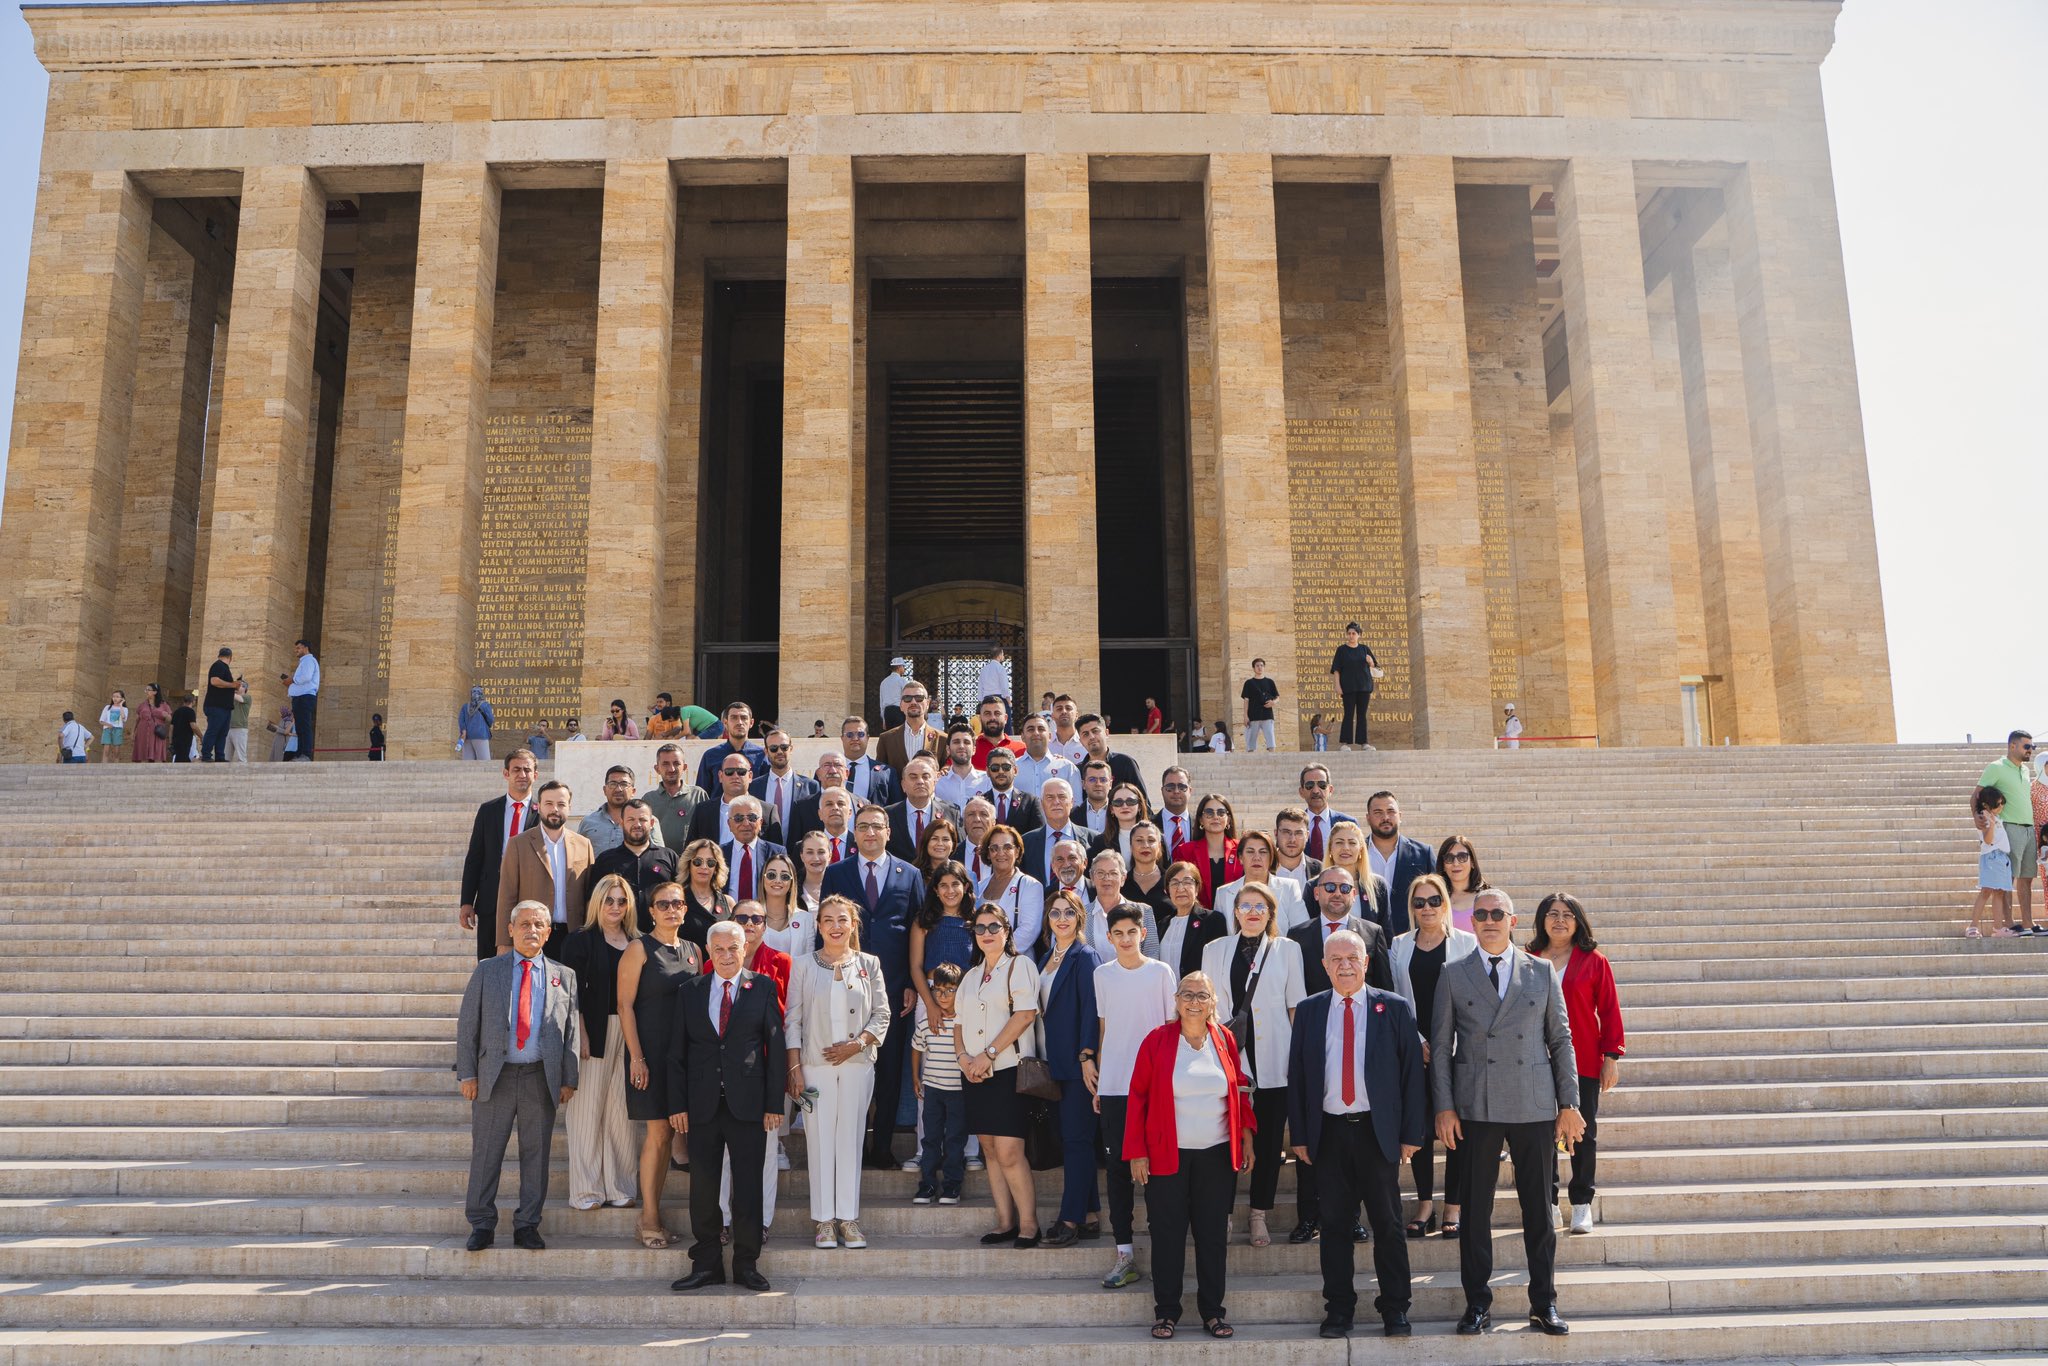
304	692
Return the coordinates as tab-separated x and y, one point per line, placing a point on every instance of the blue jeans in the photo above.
213	746
1077	1137
945	1138
74	758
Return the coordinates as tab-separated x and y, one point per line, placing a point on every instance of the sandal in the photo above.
1163	1329
1449	1230
654	1239
1218	1328
1260	1236
1417	1228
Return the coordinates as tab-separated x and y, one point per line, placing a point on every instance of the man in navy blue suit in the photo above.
781	788
889	892
1397	859
1357	1112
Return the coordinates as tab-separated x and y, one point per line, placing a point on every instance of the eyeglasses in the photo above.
669	905
1123	801
1196	996
1488	913
777	749
990	928
1431	901
775	875
750	920
1062	912
1317	785
1458	856
743	817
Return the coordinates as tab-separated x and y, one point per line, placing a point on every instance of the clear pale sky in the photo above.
1938	112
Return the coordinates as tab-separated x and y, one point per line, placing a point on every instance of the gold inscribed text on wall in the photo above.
1496	549
532	550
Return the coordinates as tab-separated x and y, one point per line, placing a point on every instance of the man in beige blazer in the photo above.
546	864
897	747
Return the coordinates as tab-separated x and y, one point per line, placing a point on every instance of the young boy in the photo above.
935	1077
1133	997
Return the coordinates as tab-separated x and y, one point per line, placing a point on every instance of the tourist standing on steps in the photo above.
604	1143
1994	863
656	965
473	722
184	727
74	741
2009	776
152	727
838	1017
1258	693
1506	1075
1187	1135
303	688
516	1044
1357	669
891	696
498	822
238	724
113	725
1593	1008
219	706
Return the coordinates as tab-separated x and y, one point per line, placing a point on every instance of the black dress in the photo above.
654	1015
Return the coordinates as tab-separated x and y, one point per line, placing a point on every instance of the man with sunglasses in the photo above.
781	788
1505	1073
2009	776
1322	817
747	848
713	820
900	744
1174	820
1013	806
867	778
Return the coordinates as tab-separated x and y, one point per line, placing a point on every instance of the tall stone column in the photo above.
209	466
440	484
629	512
820	632
1618	434
1432	384
1806	435
260	483
1062	641
685	417
1253	517
1724	496
68	451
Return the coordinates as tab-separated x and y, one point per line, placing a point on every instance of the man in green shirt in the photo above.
701	723
2009	776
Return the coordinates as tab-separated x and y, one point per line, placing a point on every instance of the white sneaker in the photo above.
910	1165
850	1235
975	1164
782	1159
1582	1218
828	1235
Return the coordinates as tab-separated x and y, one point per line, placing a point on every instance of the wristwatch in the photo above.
1087	1055
989	1053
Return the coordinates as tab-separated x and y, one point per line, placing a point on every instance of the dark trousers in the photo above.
891	1062
1269	1107
1196	1198
1353	730
1077	1139
519	1099
1352	1171
1422	1166
892	717
1583	1156
712	1137
1533	1148
1123	1195
945	1138
213	746
303	709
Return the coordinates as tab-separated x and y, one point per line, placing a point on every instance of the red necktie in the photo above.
518	821
525	1030
974	861
1315	837
725	1014
1350	1057
746	877
835	848
1179	838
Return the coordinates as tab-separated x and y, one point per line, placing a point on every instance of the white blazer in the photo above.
1294	911
1280	989
1457	944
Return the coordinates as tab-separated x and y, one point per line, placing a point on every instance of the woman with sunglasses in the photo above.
838	1016
1458	862
704	875
1185	1135
602	1142
1593	1009
1260	964
1021	895
650	973
993	1011
1260	856
619	723
1190	927
790	922
1213	850
760	956
1068	1032
1418	959
1127	811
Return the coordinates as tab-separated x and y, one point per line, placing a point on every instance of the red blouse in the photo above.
1150	1129
1593	1009
774	965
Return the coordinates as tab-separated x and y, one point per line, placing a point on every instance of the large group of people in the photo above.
999	942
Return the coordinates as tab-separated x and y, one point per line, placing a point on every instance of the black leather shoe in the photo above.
697	1280
1304	1232
481	1238
1335	1326
1397	1324
1547	1321
1360	1233
1090	1231
1062	1235
750	1279
528	1238
1475	1322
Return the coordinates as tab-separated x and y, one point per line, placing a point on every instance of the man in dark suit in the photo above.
746	850
644	864
712	820
739	723
1335	898
497	822
726	1064
1094	733
897	747
1504	1073
1356	1111
869	779
1056	802
911	817
1405	860
1314	787
781	787
803	814
1014	807
889	893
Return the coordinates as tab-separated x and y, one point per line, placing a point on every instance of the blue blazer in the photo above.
884	924
883	791
800	788
1070	1019
1412	858
1393	1072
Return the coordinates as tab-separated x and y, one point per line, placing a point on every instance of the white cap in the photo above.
1510	706
899	662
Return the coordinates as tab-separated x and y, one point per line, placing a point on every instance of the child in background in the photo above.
935	1078
1994	862
113	725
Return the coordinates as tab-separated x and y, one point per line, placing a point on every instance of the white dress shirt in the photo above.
860	778
1175	838
1096	818
1333	1056
557	846
778	804
958	789
517	809
305	678
1507	968
1382	865
1298	874
1033	774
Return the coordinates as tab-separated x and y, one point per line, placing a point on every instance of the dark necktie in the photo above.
746	875
1003	807
1493	974
1315	838
874	890
725	1008
918	836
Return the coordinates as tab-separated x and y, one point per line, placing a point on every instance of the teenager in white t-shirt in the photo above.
1133	997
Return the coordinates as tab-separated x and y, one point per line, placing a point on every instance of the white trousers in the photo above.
771	1169
832	1139
604	1146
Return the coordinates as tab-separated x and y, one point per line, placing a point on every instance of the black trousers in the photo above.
711	1138
891	1059
303	712
1533	1147
1583	1156
1196	1198
1422	1166
1123	1195
1353	730
1352	1171
1269	1107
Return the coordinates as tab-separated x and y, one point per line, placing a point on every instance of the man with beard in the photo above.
643	864
1397	859
671	799
545	864
994	717
1016	809
1094	733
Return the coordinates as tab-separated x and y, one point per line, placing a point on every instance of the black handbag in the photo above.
1241	1019
1042	1146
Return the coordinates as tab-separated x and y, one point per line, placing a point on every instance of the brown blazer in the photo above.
526	876
893	749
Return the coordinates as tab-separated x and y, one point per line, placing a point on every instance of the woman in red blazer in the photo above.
1186	1134
1214	849
1593	1009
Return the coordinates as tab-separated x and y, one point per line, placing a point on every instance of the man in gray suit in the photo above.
1500	1025
515	1056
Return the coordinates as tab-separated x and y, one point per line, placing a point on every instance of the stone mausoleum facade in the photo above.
732	347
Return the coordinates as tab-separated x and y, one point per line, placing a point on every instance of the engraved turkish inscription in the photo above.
1496	548
532	550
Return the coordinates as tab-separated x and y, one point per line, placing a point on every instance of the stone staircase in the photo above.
228	1124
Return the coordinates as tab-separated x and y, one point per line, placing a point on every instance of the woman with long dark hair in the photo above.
1593	1009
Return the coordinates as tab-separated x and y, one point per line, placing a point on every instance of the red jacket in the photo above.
1196	851
1593	1009
774	965
1149	1127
